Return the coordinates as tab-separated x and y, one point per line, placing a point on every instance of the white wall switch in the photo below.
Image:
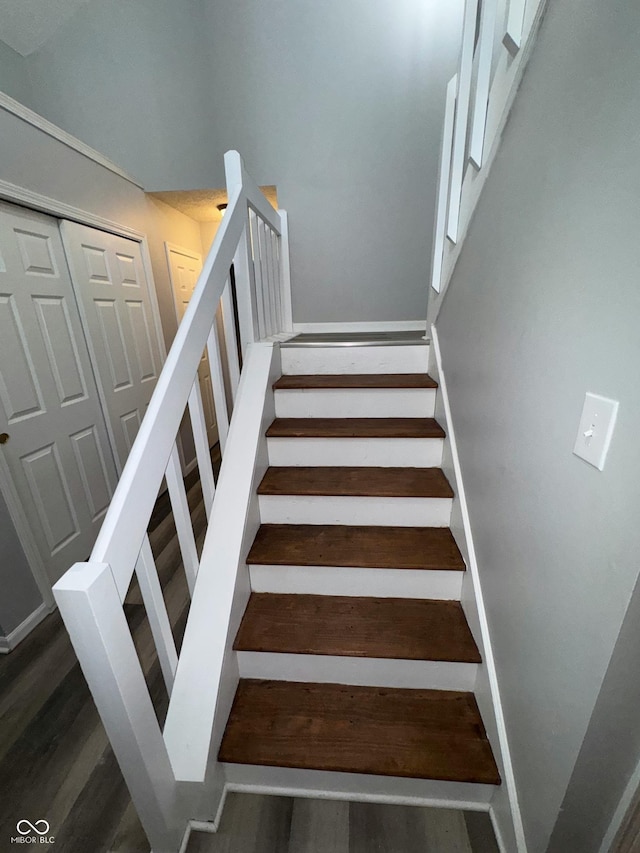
596	428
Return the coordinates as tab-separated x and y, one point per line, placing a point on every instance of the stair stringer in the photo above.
503	807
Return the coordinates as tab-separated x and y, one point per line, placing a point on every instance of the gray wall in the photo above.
14	78
610	751
339	104
20	595
128	79
544	306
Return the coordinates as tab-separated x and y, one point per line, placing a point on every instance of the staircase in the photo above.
354	652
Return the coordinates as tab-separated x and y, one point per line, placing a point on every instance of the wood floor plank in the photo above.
424	734
319	826
400	628
355	380
356	482
355	428
405	829
357	546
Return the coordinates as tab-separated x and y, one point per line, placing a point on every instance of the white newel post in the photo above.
285	274
242	260
92	612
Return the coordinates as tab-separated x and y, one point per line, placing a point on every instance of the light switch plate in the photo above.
596	428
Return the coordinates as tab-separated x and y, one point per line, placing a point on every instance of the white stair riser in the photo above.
366	672
356	403
382	452
379	583
358	787
340	509
380	359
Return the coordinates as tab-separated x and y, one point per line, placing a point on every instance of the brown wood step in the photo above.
355	428
399	628
423	734
360	546
355	380
356	482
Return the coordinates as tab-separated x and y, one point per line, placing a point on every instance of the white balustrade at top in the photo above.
477	103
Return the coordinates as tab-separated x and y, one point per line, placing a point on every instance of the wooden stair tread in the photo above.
356	482
424	734
356	546
355	428
355	380
399	628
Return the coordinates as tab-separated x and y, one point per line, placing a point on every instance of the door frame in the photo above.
23	197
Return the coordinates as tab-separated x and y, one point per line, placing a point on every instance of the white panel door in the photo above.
58	451
184	269
119	320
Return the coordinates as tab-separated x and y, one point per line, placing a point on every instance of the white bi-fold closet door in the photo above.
118	317
66	429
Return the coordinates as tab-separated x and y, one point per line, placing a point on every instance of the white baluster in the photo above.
440	225
285	274
182	518
275	265
156	608
246	290
512	38
230	339
201	441
483	80
462	115
259	278
217	386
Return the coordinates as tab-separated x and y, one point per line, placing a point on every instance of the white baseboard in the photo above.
18	634
489	661
366	326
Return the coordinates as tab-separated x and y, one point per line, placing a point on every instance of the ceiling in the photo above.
25	25
201	204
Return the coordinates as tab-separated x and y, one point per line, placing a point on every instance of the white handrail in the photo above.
90	595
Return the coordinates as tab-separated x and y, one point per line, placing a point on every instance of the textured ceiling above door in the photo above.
25	25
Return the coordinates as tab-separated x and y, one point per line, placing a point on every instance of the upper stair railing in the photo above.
253	237
497	39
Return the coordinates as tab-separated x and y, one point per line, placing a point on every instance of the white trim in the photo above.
44	204
204	825
621	811
18	634
367	326
502	847
357	796
489	660
10	105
